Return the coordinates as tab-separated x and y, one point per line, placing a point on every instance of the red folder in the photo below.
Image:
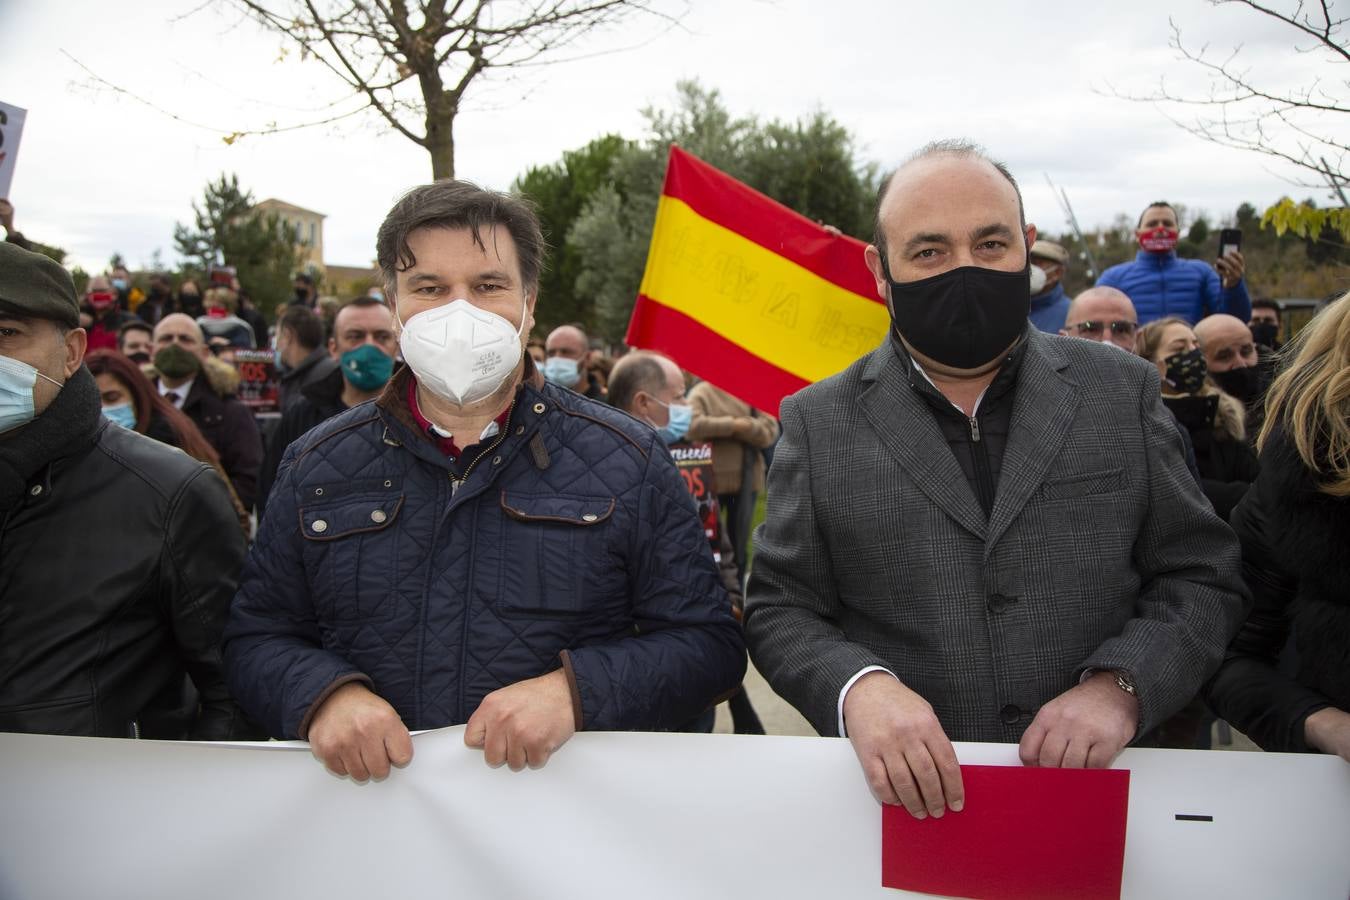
1024	833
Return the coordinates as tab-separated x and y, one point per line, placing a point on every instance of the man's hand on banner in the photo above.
525	723
357	733
1084	727
1328	730
905	755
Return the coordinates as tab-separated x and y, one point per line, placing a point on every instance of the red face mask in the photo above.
101	300
1159	240
216	312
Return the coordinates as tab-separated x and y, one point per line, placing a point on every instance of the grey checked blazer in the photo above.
1100	551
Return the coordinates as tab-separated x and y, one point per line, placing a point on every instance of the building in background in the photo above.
308	226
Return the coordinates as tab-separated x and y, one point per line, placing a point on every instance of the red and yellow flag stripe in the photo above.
747	294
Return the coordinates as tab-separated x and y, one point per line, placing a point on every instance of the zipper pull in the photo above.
974	429
454	486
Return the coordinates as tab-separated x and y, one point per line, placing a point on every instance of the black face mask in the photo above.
1266	334
139	358
1186	371
963	318
1194	413
1244	383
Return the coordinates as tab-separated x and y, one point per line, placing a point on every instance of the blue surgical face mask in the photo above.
678	426
123	414
367	367
17	380
562	371
119	284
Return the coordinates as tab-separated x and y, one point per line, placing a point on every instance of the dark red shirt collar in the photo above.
446	445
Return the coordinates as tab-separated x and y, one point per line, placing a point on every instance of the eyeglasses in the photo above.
1120	327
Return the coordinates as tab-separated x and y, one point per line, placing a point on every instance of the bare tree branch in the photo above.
1294	125
378	48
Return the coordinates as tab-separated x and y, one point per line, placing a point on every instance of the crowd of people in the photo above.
1074	524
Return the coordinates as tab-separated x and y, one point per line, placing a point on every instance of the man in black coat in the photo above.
118	555
362	351
205	388
302	353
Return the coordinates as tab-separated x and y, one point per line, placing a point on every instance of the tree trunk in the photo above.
441	140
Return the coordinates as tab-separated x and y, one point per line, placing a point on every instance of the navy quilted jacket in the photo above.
571	541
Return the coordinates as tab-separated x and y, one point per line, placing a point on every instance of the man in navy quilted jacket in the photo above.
1160	283
476	545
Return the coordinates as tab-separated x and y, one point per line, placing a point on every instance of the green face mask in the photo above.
175	362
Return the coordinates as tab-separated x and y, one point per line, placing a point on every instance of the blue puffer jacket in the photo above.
1162	284
571	541
1049	310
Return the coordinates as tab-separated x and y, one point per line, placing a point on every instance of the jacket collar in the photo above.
1157	260
66	428
402	429
1045	402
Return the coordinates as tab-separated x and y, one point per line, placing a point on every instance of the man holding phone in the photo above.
1159	283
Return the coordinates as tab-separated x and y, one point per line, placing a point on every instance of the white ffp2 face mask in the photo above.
461	352
1038	279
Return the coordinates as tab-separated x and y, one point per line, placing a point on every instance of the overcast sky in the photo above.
99	172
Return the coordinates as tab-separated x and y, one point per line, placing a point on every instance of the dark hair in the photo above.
304	324
363	300
133	325
305	277
638	371
945	147
1163	203
458	204
1264	303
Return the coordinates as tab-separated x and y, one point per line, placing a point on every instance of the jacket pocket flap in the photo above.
1084	484
328	522
557	508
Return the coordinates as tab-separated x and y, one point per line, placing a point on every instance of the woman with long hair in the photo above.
1215	421
131	401
1294	525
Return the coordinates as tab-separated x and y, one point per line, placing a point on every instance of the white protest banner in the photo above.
611	816
11	129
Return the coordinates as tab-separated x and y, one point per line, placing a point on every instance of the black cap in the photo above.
35	285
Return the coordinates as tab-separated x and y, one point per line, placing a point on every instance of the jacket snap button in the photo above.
589	517
318	492
520	429
320	526
1010	714
496	460
539	407
388	484
36	490
378	516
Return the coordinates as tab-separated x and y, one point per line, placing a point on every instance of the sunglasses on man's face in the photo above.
1120	327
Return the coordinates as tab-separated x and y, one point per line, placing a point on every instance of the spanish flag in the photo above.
747	294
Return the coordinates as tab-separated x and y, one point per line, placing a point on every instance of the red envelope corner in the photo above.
1024	833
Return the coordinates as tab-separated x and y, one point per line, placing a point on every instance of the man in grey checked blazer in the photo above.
979	532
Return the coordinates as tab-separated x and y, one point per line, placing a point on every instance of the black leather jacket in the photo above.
118	560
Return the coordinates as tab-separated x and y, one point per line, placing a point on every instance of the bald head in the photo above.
1226	341
177	328
1102	314
937	175
567	341
644	384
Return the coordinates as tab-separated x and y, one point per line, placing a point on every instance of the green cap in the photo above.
35	285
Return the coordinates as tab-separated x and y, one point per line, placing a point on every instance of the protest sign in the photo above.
695	464
11	129
258	380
